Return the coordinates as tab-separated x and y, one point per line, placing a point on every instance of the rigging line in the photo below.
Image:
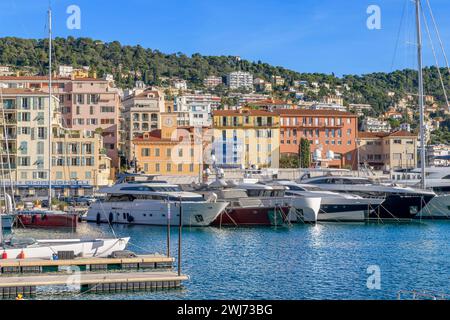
398	34
435	58
438	35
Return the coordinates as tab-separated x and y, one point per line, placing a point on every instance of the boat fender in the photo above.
21	255
111	217
98	218
130	218
4	255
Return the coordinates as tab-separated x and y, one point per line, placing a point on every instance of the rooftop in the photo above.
309	112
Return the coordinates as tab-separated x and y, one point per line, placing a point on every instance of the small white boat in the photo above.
45	248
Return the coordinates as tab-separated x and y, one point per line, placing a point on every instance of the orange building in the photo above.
332	135
167	151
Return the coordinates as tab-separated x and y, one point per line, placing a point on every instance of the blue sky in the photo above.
303	35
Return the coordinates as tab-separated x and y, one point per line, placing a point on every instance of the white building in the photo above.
195	109
370	124
405	127
212	81
240	79
438	155
65	71
328	106
359	108
179	84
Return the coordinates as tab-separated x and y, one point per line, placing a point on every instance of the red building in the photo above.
332	135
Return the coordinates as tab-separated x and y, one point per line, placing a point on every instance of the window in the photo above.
40	147
145	152
107	109
24	116
88	175
157	152
157	167
169	152
397	141
180	167
397	156
42	133
169	167
24	161
191	167
180	152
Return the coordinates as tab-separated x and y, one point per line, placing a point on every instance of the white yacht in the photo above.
153	203
438	180
252	203
398	202
334	206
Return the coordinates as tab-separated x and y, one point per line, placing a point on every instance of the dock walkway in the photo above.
144	272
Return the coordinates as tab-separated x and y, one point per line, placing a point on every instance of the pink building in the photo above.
86	104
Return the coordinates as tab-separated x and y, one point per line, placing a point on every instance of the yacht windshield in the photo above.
153	188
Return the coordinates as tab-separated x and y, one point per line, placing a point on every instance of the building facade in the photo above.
76	156
85	104
329	133
388	151
141	113
240	79
168	151
246	138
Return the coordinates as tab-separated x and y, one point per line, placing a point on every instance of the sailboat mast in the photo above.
49	108
421	99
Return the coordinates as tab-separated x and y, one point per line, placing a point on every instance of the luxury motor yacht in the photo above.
436	179
398	202
334	206
153	203
252	203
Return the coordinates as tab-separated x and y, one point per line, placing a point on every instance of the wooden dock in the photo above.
154	261
144	272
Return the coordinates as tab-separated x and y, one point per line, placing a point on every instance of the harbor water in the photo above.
322	261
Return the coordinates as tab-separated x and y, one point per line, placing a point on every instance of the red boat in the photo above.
257	216
46	219
250	204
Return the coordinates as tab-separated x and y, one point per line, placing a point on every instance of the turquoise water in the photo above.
323	261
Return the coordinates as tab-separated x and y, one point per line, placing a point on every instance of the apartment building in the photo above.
328	132
240	79
141	113
246	138
85	104
388	150
76	156
168	151
212	81
370	124
194	110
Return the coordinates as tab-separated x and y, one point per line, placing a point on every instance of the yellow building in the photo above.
246	138
167	151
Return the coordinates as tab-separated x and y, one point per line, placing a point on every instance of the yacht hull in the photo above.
148	212
437	208
400	207
44	249
252	216
47	220
346	210
305	209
